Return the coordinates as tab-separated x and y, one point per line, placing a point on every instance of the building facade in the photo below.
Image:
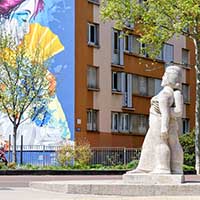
115	80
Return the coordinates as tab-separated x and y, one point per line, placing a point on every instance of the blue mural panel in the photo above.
48	24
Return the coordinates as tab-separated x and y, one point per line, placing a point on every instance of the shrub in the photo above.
11	165
3	166
83	153
65	154
133	164
188	144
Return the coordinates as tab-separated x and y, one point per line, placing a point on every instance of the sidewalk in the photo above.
32	194
12	191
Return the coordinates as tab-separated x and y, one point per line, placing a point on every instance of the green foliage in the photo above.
157	20
188	144
65	154
23	81
133	164
3	166
188	168
83	153
11	165
78	154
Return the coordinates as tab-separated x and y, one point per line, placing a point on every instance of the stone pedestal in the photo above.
153	179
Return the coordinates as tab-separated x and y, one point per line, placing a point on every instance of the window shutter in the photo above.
119	87
158	86
151	87
121	47
168	53
123	88
135	85
142	85
136	45
129	90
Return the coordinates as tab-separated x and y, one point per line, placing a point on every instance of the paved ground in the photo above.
23	181
15	188
30	194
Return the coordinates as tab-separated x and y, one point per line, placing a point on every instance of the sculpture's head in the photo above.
16	15
172	77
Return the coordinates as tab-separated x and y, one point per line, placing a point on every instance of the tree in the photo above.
24	84
158	21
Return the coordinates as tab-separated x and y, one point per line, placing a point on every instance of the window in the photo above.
92	119
135	84
120	122
115	122
145	86
132	44
136	45
129	123
158	86
116	42
92	77
151	86
93	34
154	86
160	56
168	53
186	93
117	47
127	43
142	85
185	57
186	125
124	125
139	123
116	81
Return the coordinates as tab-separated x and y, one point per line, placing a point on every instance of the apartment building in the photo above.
115	80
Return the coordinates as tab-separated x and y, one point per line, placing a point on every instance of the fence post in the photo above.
124	156
21	151
9	144
43	163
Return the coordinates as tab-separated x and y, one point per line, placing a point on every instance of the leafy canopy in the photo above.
24	87
157	20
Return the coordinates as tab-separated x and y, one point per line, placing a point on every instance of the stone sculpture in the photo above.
161	150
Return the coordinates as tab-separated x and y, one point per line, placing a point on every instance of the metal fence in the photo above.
47	155
114	156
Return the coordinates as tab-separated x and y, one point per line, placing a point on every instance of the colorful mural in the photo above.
48	24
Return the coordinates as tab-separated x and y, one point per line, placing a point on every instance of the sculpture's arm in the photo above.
177	111
164	105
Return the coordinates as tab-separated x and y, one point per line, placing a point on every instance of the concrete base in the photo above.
152	179
119	188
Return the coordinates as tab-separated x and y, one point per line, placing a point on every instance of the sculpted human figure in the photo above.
161	150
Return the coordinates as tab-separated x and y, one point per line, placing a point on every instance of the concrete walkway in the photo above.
32	194
11	188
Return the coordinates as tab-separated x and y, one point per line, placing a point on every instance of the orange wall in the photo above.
143	66
84	57
191	79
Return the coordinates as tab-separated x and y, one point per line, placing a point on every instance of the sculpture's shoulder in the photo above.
166	93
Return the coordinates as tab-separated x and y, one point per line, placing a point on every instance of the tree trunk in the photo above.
197	109
14	153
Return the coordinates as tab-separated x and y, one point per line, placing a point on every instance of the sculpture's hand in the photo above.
164	135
